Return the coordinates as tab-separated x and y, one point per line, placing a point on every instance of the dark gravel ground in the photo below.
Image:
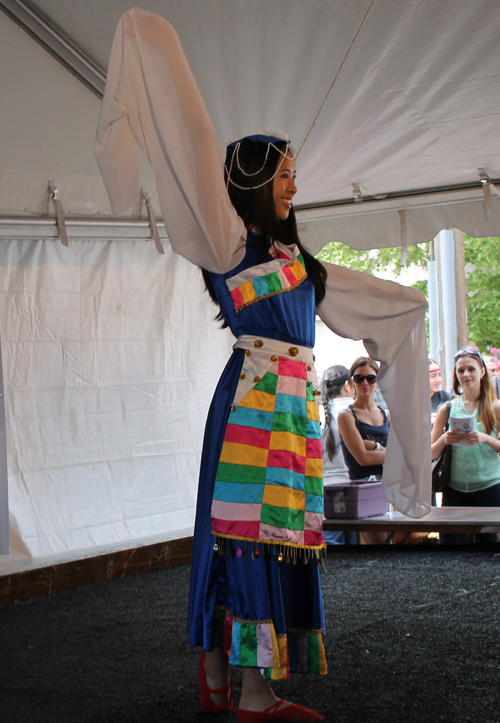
412	636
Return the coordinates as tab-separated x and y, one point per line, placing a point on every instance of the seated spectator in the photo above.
364	428
336	394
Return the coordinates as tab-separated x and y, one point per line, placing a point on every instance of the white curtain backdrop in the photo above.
110	357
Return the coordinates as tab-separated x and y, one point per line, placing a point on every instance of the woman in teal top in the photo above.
475	470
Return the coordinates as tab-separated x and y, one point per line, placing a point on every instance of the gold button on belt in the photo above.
293	351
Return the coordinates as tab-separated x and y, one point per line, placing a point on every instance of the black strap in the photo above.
448	412
386	418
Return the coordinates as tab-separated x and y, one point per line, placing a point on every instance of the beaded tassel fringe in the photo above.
270	551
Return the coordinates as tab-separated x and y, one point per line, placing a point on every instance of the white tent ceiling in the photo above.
395	96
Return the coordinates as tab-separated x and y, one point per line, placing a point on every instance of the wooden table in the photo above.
440	519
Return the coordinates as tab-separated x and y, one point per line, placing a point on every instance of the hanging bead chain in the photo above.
252	188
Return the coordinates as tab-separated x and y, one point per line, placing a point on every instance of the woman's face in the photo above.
435	378
363	387
469	371
284	188
491	367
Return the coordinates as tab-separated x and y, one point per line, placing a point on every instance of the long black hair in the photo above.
332	384
254	203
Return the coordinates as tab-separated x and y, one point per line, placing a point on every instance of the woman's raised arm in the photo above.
152	104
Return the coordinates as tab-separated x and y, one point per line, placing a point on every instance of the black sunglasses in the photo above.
469	352
360	378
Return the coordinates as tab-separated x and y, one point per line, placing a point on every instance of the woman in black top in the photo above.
364	428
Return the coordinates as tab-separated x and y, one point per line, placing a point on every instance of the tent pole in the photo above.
448	301
50	37
432	272
461	290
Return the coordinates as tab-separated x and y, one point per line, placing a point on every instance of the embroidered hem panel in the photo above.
255	644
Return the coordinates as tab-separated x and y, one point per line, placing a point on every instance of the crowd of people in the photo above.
356	427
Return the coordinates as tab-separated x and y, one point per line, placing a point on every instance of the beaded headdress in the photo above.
270	141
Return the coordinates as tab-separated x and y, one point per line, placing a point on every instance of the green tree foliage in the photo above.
482	276
482	272
375	260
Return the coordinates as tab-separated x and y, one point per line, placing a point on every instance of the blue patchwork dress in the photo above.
256	596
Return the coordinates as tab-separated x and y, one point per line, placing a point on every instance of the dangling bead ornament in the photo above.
236	156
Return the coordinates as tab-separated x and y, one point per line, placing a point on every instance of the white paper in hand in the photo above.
462	424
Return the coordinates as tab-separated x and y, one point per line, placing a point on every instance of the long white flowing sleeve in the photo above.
152	103
390	319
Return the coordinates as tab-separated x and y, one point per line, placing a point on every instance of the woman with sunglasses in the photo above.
475	469
364	428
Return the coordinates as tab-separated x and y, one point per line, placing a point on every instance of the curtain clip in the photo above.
61	226
485	181
356	192
153	231
404	237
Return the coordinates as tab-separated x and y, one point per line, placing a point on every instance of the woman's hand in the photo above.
472	438
476	437
453	436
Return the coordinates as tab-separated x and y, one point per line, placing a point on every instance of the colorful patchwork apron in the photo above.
269	485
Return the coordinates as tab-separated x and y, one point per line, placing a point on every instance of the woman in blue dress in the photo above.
255	596
255	592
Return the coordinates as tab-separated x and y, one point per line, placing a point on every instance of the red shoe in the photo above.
291	713
207	704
